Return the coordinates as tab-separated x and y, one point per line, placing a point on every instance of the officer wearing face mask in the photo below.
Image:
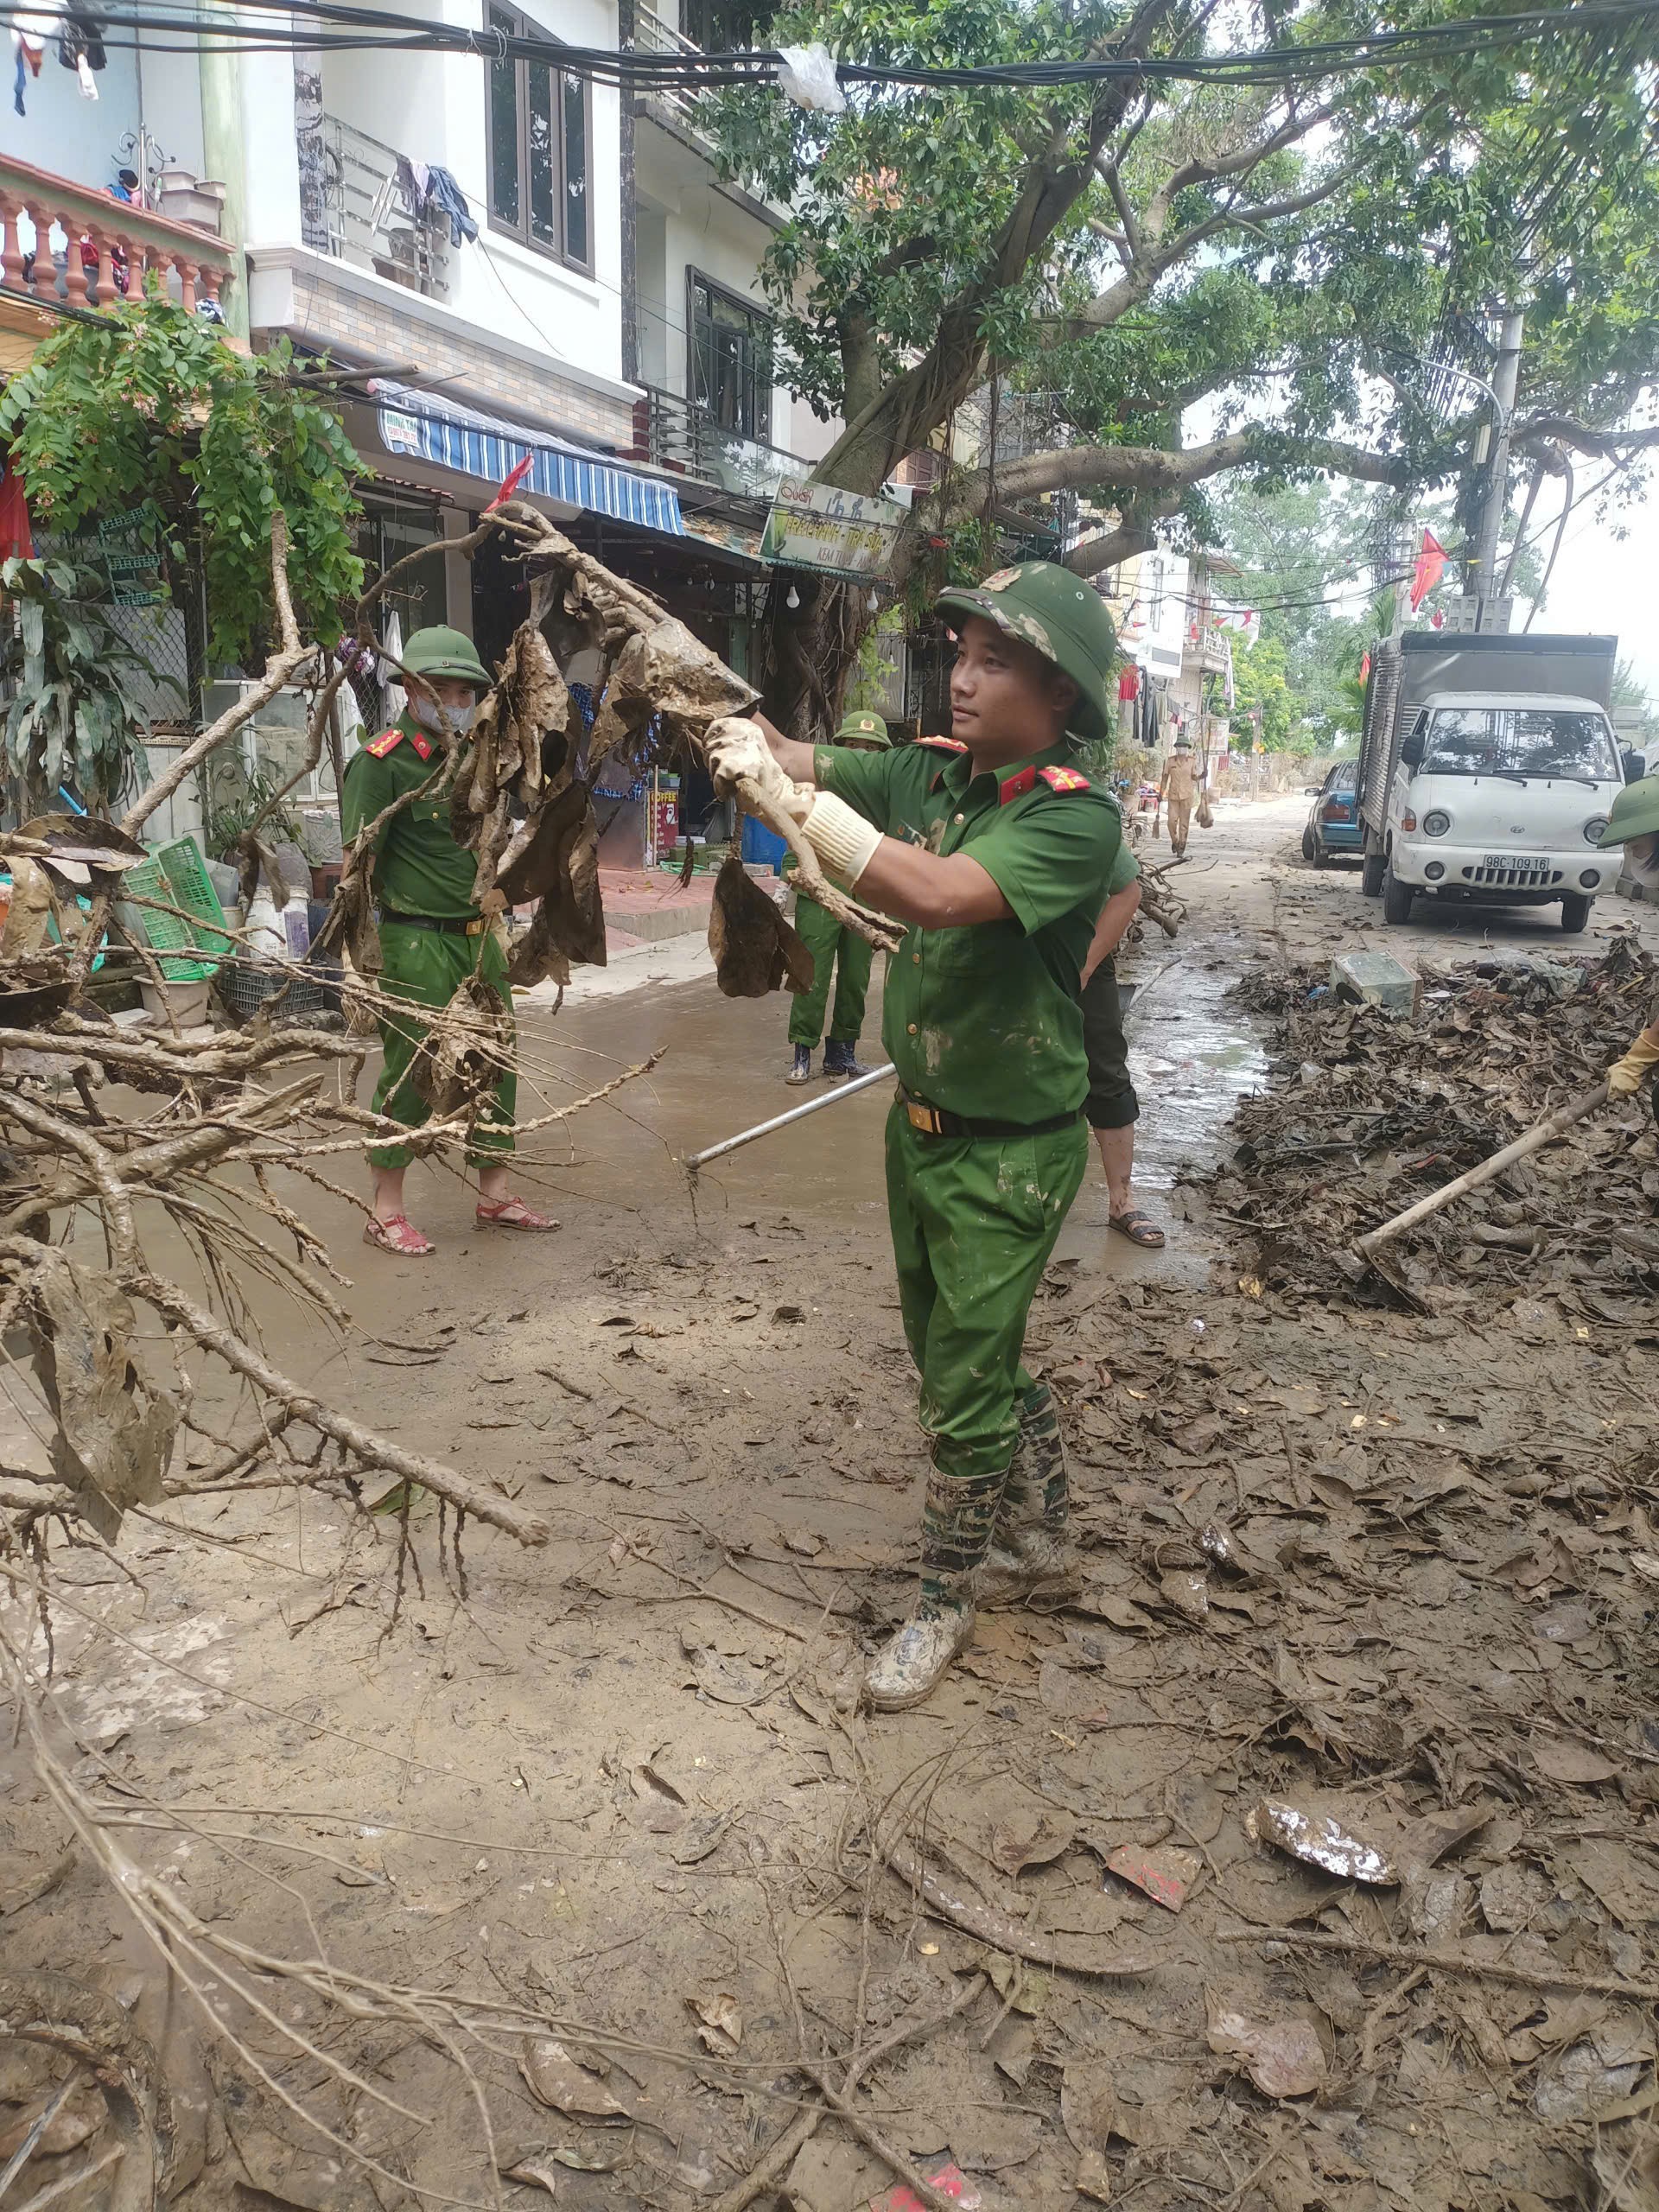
433	934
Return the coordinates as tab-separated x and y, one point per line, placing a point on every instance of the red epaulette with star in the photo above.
393	738
1065	779
944	744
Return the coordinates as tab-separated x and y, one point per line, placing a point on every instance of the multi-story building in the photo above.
509	261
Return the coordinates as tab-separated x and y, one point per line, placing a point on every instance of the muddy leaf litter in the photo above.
1311	1860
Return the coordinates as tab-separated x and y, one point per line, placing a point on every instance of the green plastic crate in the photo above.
178	874
193	889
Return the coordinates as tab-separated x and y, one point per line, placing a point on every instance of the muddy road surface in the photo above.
1311	1862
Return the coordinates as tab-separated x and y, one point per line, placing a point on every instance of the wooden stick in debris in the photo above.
372	1450
1417	1955
998	1928
1551	1127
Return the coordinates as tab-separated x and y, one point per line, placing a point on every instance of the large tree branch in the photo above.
1136	532
1602	445
1157	470
879	434
1149	265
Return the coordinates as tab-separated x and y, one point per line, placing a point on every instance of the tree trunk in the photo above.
807	652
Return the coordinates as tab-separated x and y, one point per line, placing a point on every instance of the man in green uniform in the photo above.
834	950
996	854
432	934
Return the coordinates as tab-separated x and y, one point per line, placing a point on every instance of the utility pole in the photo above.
1505	378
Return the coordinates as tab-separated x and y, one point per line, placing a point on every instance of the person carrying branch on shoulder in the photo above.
835	951
995	853
433	935
1179	788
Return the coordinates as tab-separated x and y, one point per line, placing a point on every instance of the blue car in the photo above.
1334	827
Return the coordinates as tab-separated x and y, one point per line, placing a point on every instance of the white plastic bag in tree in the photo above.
808	78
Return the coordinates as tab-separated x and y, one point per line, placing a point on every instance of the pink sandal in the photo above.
398	1235
512	1213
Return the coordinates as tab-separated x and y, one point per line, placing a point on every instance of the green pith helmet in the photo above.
1636	813
442	651
863	728
1063	618
1183	745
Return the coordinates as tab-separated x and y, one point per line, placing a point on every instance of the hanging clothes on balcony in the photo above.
29	36
80	46
446	196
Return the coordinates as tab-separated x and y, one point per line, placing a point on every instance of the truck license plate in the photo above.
1522	863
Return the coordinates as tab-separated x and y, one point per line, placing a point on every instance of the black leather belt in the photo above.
448	925
933	1121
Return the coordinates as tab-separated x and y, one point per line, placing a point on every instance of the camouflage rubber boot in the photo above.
1031	1554
957	1517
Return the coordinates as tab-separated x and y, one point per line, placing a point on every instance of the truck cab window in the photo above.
1519	741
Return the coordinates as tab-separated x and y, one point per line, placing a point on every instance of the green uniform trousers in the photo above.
973	1221
831	946
427	967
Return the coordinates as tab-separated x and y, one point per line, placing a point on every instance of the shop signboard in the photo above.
844	533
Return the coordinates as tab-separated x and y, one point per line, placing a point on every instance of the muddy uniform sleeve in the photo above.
863	779
1051	854
370	787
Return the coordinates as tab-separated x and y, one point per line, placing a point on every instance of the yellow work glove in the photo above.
1625	1075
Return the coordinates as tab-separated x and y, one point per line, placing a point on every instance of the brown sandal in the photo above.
1140	1228
398	1235
512	1213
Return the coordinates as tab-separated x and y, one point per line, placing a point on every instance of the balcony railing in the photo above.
653	35
361	203
676	434
72	246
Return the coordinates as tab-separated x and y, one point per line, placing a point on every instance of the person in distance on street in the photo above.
995	853
835	951
432	934
1177	789
1112	1108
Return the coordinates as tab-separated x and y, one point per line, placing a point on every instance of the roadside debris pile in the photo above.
1369	1111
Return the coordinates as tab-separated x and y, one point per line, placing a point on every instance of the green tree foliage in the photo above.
1260	683
148	407
74	716
1283	249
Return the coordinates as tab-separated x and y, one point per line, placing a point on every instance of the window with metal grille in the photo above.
540	127
731	359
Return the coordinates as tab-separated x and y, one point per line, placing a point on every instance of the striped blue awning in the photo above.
418	424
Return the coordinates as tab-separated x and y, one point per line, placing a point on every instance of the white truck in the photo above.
1487	769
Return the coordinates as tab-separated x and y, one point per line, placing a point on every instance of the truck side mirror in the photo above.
1411	751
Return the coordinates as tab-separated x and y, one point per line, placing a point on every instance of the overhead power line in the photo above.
335	25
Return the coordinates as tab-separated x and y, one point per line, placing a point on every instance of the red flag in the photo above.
1431	567
1365	668
516	476
14	518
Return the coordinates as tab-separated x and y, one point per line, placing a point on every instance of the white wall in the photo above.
701	228
73	137
432	108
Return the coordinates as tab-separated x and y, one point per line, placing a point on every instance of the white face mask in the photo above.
440	720
1645	871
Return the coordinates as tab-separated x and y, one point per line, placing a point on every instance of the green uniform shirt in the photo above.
1125	868
418	867
984	1020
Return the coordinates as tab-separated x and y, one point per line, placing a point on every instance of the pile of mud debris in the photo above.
1369	1111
